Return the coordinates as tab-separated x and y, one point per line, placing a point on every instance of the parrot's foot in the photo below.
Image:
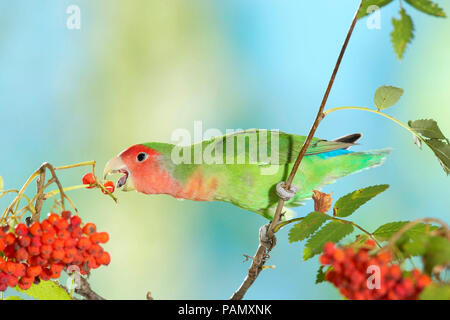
284	194
264	240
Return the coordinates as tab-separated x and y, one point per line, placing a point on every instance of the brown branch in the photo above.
84	289
262	253
41	197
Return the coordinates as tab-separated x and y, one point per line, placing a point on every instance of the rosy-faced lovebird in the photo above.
241	168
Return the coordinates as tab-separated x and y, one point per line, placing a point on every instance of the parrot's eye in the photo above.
141	156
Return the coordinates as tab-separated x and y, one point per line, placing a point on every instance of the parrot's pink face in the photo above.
138	164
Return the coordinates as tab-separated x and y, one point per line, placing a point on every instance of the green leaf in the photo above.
348	204
332	231
435	291
427	128
402	33
367	3
320	276
387	96
386	231
14	298
435	140
428	7
437	253
442	152
307	226
46	290
416	247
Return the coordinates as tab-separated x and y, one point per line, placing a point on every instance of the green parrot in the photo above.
243	168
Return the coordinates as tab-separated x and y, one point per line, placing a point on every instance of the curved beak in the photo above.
116	165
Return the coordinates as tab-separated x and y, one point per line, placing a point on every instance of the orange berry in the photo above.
89	228
109	185
104	259
89	178
423	281
10	238
75	221
35	229
34	271
21	254
52	218
99	237
21	229
84	243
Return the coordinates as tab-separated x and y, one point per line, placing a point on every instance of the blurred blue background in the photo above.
138	70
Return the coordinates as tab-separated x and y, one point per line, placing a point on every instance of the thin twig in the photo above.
84	289
262	253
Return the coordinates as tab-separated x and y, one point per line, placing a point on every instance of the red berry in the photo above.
70	243
53	218
10	238
25	283
75	221
21	254
33	251
45	274
104	259
77	233
58	244
66	214
47	227
99	237
62	224
21	229
24	241
58	254
36	241
12	281
84	243
46	251
89	178
109	185
48	239
20	270
35	229
89	228
2	244
33	271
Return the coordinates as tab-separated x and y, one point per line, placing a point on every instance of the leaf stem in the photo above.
376	112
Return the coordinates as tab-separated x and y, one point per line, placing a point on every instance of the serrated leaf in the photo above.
435	140
348	204
437	253
427	128
435	291
46	290
386	96
368	3
402	33
441	151
386	231
307	226
428	7
14	298
332	231
320	276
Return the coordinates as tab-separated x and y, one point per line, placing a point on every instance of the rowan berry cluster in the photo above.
90	180
351	270
42	250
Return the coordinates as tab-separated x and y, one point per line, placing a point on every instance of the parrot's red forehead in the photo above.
133	151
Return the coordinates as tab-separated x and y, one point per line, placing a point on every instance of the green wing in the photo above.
289	145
